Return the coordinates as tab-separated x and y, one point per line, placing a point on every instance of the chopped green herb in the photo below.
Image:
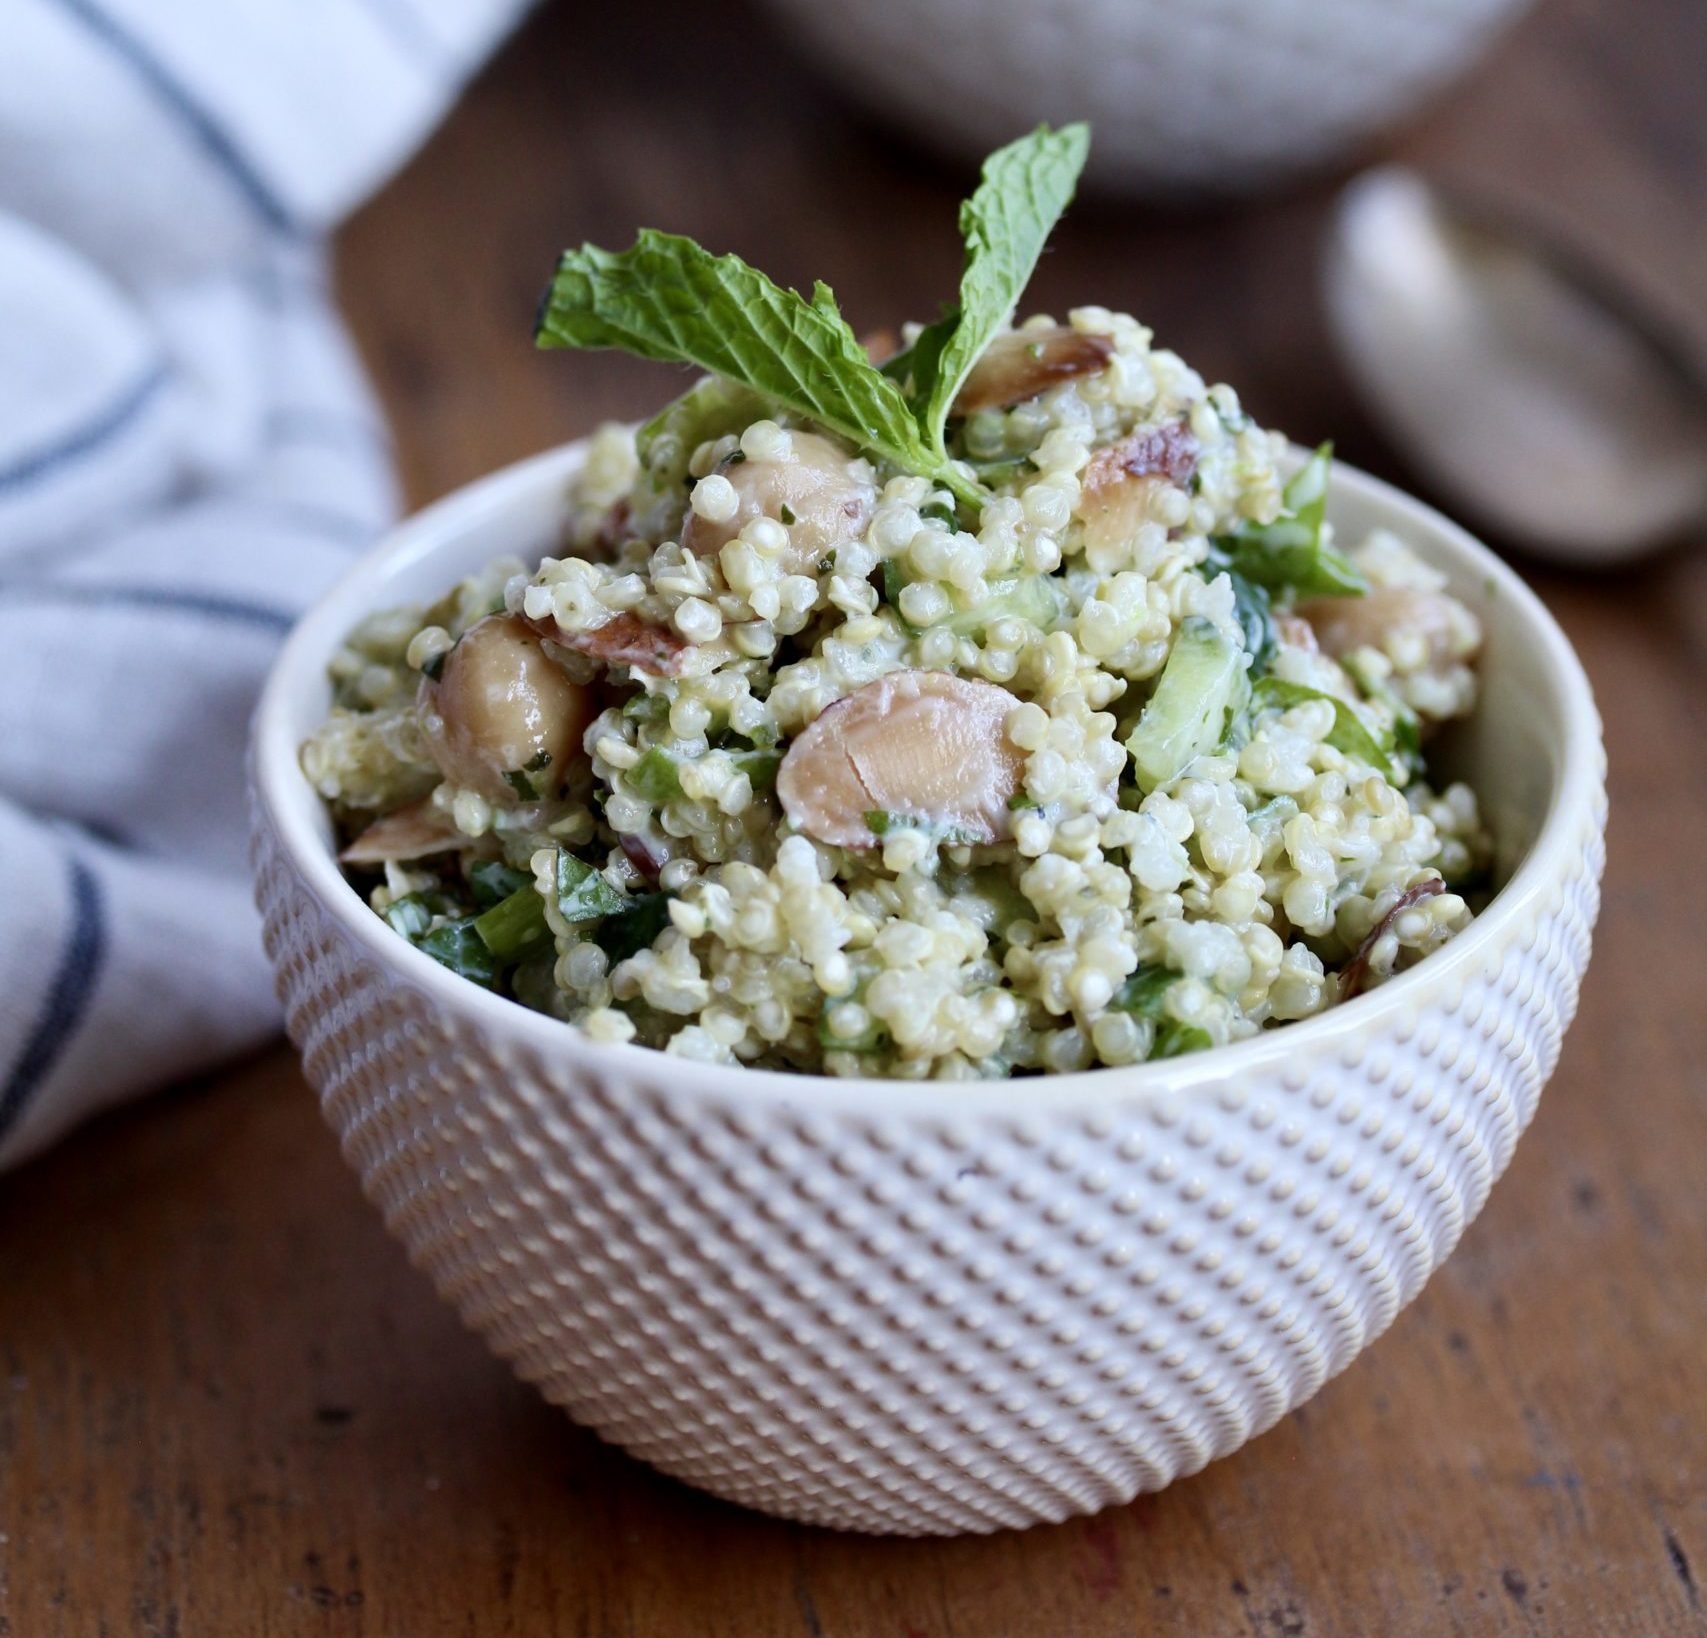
759	766
880	823
939	512
1350	735
435	667
1142	994
521	784
654	776
457	945
583	894
649	708
1174	1038
633	927
1020	800
1291	553
787	514
492	881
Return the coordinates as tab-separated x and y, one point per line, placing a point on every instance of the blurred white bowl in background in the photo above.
1202	96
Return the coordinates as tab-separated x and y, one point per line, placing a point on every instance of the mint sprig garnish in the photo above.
668	298
1025	188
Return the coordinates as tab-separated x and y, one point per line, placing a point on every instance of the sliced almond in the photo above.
818	494
1296	632
1023	363
413	832
501	718
624	639
920	745
1345	624
1114	495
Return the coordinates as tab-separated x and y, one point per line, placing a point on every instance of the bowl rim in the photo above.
293	807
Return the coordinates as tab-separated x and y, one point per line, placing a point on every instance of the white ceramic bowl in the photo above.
1206	95
931	1308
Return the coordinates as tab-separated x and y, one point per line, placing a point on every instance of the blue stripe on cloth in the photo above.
90	436
202	605
68	996
212	137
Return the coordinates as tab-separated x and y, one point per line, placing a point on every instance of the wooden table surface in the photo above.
228	1406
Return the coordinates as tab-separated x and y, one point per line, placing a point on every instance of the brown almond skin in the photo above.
412	832
829	502
923	744
500	705
1112	500
1023	363
624	639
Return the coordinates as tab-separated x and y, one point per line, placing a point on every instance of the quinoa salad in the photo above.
992	699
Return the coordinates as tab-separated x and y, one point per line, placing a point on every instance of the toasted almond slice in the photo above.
1023	363
407	833
624	639
817	494
1114	488
1345	624
922	745
1296	632
501	718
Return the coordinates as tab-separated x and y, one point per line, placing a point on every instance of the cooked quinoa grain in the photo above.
798	759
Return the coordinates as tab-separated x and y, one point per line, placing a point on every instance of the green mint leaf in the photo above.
456	944
582	892
1290	553
492	881
634	927
1024	189
667	298
1349	735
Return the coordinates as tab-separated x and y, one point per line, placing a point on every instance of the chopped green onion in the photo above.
515	926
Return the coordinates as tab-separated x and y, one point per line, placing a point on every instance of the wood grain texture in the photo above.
227	1406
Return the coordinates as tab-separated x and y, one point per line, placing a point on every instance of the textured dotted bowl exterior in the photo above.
935	1308
1212	95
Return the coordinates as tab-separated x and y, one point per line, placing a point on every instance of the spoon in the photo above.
1524	383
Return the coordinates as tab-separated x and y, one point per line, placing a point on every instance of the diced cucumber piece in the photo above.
1186	716
1035	598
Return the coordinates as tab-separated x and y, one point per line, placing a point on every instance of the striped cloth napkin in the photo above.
188	455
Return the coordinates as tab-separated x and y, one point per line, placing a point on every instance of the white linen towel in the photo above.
188	455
